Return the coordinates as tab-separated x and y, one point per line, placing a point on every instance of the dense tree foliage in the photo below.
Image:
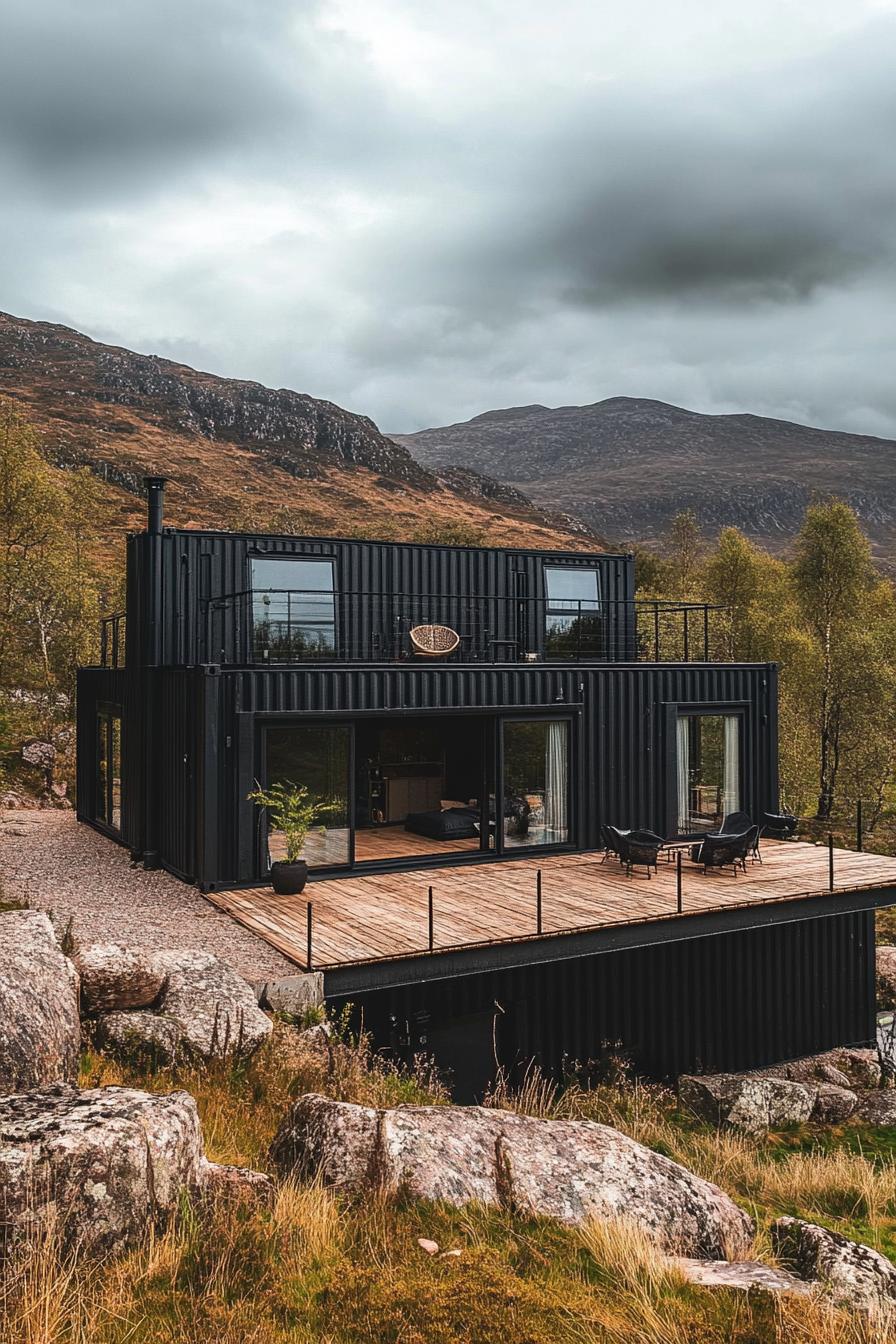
50	590
828	618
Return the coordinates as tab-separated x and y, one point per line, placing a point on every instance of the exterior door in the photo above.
319	759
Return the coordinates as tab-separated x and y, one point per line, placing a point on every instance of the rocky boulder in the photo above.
878	1108
833	1105
749	1276
571	1170
153	1039
293	994
108	1162
742	1101
114	978
853	1274
40	1034
237	1185
886	977
218	1011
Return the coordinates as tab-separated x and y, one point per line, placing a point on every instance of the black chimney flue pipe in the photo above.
155	497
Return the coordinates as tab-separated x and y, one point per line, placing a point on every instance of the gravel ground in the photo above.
50	861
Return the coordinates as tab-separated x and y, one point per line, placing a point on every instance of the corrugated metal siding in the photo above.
188	568
626	742
190	753
727	1002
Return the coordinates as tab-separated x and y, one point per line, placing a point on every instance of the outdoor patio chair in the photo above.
779	825
724	851
611	838
639	848
736	823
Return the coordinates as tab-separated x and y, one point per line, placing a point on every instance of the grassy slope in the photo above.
319	1268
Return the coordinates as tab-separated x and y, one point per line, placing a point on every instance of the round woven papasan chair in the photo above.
434	641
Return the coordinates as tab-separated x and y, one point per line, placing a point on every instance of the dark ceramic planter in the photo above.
288	879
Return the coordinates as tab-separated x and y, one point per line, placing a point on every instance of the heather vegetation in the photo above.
322	1267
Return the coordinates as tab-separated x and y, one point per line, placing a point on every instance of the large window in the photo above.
573	625
535	803
293	609
108	768
318	759
708	752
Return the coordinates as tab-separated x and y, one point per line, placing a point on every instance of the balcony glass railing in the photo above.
283	626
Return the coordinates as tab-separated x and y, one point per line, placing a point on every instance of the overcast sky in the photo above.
424	209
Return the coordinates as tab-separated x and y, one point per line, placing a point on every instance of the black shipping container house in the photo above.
561	704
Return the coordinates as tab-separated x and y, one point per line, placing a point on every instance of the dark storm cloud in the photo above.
421	233
736	193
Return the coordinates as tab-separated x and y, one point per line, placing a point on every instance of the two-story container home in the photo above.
475	717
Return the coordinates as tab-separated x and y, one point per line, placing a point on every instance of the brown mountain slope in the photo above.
236	450
627	466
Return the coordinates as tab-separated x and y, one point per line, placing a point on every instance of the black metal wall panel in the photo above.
177	573
727	1002
626	713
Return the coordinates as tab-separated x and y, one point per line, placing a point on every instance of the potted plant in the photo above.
292	809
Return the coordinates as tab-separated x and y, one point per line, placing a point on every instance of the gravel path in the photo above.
73	872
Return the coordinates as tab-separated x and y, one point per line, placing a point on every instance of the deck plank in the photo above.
377	916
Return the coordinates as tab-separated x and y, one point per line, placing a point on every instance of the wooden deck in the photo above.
372	918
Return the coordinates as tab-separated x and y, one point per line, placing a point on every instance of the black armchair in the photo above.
779	825
736	823
611	836
725	851
639	847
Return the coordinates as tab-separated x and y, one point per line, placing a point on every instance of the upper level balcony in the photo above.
278	626
288	626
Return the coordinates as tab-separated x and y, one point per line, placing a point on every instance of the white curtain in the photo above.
731	782
684	775
556	782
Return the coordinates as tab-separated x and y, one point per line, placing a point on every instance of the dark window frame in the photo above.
281	557
554	608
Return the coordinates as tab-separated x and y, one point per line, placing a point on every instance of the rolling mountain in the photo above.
238	453
627	466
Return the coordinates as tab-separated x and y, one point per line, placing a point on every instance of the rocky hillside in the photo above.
238	451
626	466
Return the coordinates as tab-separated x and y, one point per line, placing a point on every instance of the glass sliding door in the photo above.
317	758
107	808
708	770
293	609
535	798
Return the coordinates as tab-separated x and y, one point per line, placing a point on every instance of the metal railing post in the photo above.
859	836
310	919
830	861
678	879
687	650
656	632
538	901
430	920
706	634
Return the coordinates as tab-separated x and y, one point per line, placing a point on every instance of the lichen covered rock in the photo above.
571	1170
114	978
217	1010
153	1039
107	1162
852	1274
40	1032
747	1102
